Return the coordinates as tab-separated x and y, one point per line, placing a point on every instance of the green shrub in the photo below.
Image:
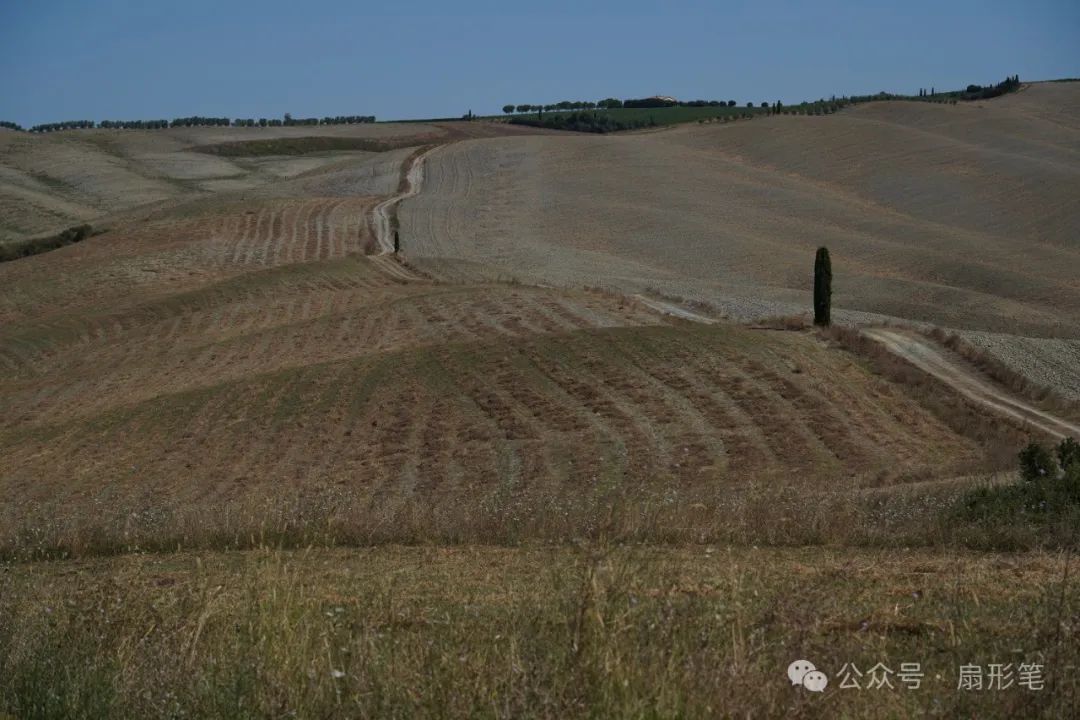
1036	463
1041	511
595	122
1068	453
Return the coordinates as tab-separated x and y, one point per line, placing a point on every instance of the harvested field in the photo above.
448	397
964	216
48	182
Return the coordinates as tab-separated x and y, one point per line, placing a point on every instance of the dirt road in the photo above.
667	308
414	180
922	353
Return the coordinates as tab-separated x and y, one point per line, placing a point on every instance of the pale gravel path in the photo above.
921	352
414	181
674	310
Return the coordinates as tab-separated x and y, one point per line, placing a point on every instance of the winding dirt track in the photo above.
921	353
414	180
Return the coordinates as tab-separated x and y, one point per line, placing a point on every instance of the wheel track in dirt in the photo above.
923	354
935	361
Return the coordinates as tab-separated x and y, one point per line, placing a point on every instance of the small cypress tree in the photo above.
822	287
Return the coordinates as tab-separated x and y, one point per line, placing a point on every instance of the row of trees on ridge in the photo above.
972	92
193	121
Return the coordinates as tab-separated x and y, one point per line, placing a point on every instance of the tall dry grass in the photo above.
551	633
916	514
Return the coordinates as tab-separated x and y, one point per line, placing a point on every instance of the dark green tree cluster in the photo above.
613	104
347	120
562	105
582	121
290	121
133	124
971	92
979	92
651	102
199	121
572	105
66	125
1037	463
193	121
10	125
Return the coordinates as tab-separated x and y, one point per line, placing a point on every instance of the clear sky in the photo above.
142	59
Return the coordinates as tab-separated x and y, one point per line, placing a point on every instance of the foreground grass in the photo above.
535	632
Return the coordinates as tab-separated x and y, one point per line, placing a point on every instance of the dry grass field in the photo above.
251	465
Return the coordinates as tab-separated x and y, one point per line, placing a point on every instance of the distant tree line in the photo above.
816	107
10	125
133	124
613	104
193	121
971	92
582	121
66	125
979	92
707	103
562	105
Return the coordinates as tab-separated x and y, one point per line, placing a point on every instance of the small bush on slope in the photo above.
1045	505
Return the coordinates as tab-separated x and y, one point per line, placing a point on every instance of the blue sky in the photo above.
123	59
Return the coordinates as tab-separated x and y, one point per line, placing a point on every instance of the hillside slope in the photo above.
964	215
51	181
215	363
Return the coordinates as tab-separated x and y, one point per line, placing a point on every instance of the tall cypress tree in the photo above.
822	287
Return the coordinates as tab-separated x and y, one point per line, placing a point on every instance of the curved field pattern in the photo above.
486	400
